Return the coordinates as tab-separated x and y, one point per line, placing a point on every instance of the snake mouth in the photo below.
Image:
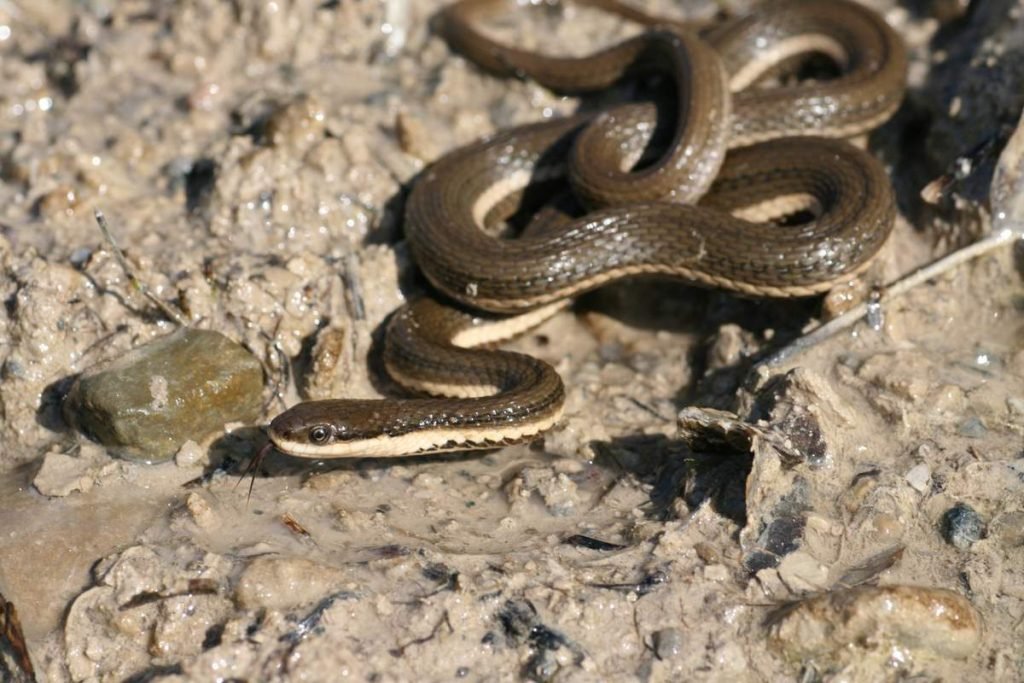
275	439
297	448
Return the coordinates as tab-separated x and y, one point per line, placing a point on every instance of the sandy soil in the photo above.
856	513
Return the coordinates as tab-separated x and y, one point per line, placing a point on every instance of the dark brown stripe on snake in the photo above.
509	397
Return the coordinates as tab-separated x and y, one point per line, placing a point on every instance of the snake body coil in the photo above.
641	221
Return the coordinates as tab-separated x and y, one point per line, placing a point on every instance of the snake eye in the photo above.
319	434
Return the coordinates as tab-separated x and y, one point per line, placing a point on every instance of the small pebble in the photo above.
63	474
919	477
973	428
202	514
668	642
886	525
707	553
80	256
296	124
183	386
861	487
417	137
962	526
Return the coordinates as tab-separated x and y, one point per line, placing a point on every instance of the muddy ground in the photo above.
855	513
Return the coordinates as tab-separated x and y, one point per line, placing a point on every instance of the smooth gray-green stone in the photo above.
186	385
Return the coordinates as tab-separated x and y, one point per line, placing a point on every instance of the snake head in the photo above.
324	429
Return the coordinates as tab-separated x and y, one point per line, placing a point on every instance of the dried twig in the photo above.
171	314
891	292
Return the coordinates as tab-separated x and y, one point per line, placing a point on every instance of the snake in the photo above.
707	205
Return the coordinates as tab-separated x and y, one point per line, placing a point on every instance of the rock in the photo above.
962	526
919	477
834	626
423	139
147	404
61	475
973	428
202	514
668	643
